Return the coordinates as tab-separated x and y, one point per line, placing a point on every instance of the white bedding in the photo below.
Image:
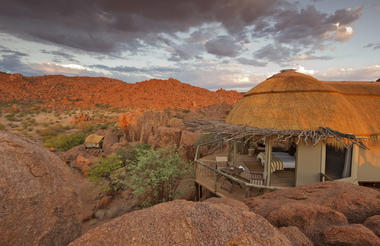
288	160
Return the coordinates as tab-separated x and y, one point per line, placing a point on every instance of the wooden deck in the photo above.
213	182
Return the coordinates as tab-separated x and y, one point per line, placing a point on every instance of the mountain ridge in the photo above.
61	92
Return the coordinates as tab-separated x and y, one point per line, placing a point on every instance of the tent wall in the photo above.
369	164
309	160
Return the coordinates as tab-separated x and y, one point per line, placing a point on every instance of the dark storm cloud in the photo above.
308	27
223	46
105	26
112	27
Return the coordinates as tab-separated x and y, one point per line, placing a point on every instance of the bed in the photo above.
288	160
280	160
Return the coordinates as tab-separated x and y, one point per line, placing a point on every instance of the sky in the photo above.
230	44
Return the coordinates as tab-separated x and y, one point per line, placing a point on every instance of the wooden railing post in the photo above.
268	160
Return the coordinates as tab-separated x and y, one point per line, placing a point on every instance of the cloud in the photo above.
5	50
302	69
368	73
13	64
374	46
311	57
252	62
276	53
106	26
59	54
114	27
223	46
309	27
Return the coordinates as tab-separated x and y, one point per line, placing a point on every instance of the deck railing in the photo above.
209	175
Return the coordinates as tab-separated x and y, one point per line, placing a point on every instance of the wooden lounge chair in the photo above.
257	178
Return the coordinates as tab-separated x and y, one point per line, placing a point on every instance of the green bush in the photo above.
65	142
104	167
129	154
155	177
112	168
2	127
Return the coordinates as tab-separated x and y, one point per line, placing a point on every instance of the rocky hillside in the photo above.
57	91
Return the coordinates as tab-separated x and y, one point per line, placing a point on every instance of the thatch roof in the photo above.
295	101
222	130
94	139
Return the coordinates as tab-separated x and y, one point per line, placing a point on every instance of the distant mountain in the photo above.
58	91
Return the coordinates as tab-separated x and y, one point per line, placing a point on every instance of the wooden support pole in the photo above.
234	162
268	159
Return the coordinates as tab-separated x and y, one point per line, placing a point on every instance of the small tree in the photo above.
156	174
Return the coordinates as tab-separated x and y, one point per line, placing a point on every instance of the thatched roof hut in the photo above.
94	141
291	100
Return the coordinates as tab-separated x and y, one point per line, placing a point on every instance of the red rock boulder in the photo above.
356	202
295	236
38	204
110	138
81	163
373	223
187	143
350	235
165	136
308	217
180	222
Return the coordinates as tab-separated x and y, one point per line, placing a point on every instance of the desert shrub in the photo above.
156	174
104	167
185	111
129	154
2	127
65	142
153	175
113	168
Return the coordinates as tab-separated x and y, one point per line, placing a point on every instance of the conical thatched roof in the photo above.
291	100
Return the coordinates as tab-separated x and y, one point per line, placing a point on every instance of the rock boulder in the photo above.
213	222
373	223
350	235
356	202
38	204
309	218
295	236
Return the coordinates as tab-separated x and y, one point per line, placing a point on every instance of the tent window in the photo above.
338	162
